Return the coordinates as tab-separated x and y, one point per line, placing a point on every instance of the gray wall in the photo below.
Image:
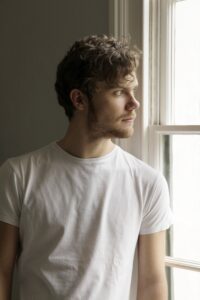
34	36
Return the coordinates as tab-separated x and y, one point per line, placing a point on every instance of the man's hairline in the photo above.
117	81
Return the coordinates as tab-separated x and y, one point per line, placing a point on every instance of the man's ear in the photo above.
78	99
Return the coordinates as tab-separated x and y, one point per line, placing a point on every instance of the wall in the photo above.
34	38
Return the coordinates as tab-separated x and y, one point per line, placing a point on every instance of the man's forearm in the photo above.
156	291
5	286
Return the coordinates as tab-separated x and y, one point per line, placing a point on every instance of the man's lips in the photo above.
130	118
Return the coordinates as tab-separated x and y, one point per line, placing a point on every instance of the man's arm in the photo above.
152	283
9	237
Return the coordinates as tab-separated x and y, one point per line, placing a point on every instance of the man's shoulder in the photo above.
34	157
136	163
141	170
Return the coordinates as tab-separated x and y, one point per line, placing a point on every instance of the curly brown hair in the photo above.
90	60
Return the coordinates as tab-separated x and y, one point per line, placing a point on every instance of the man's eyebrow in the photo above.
124	86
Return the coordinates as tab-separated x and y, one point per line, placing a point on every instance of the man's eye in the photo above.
118	92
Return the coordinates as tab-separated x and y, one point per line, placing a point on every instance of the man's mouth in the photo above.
129	119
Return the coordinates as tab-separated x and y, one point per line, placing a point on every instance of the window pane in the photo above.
181	166
187	62
186	195
186	285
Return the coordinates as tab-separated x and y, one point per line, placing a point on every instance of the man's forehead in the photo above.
127	81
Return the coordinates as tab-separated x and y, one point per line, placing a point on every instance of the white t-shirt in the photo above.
79	221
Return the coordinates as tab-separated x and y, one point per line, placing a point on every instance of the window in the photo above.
168	130
174	145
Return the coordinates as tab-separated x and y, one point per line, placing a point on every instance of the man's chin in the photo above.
123	134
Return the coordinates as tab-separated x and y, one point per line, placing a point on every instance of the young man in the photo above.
81	218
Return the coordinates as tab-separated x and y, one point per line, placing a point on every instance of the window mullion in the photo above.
176	129
182	263
166	80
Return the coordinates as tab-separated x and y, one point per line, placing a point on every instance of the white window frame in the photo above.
162	77
156	82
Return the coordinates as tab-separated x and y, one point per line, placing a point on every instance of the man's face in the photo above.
112	110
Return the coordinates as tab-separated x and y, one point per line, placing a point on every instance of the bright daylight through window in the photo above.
184	149
187	62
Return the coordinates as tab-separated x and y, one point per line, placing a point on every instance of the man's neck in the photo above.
78	144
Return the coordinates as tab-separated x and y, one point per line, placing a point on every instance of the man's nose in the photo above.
133	103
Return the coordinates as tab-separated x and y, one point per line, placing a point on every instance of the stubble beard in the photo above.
98	130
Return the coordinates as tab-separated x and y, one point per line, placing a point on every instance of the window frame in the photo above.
155	116
161	88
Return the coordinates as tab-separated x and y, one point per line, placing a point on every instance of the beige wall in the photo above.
34	36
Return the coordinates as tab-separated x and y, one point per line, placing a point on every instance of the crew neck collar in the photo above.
84	160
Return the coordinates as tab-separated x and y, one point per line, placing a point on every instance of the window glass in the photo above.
181	167
187	63
186	195
186	284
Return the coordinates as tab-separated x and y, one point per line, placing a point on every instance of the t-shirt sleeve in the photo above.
157	214
9	195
